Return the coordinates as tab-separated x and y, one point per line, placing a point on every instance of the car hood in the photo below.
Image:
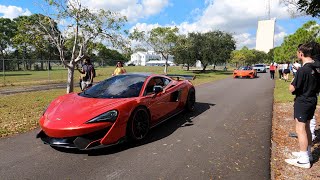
72	110
242	71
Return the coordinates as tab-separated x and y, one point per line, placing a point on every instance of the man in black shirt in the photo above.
87	74
305	87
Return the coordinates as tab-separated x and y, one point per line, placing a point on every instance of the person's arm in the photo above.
123	70
296	82
291	88
80	70
91	71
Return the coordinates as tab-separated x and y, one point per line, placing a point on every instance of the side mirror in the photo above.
157	89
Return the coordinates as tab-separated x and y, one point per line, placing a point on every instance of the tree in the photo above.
85	26
109	56
309	31
243	56
30	41
260	57
183	51
308	7
160	39
212	47
8	30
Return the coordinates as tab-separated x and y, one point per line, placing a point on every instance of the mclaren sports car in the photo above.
123	107
245	72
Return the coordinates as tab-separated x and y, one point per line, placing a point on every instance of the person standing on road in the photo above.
286	71
272	70
87	73
280	70
119	69
305	86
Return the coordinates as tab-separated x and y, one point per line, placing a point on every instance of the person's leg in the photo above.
273	74
83	85
280	73
302	135
313	124
302	160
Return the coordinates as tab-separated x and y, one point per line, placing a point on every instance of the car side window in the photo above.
159	81
149	87
166	81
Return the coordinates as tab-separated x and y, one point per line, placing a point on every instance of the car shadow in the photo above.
182	120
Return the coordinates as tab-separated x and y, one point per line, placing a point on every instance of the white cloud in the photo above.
245	39
278	38
13	11
233	16
132	9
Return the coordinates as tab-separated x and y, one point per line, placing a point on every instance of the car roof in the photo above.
145	74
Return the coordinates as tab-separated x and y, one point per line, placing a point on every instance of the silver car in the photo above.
260	68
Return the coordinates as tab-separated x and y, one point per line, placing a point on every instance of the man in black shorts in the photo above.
305	87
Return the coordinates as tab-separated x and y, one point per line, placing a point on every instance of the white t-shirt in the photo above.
285	66
297	65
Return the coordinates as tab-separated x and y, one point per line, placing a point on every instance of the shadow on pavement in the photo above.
183	120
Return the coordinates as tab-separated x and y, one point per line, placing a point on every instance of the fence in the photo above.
21	72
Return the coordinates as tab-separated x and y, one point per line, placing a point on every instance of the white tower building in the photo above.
265	35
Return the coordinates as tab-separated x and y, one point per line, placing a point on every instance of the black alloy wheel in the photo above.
191	100
139	124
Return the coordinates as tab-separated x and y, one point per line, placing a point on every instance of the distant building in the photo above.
148	59
199	64
265	35
159	63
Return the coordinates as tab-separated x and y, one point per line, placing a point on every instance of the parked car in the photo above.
123	107
260	68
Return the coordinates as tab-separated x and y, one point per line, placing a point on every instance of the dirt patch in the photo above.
282	145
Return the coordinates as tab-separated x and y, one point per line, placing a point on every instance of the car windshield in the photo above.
121	86
259	65
245	68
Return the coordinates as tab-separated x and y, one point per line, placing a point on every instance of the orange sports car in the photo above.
245	72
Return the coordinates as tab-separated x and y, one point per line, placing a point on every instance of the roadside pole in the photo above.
48	70
3	73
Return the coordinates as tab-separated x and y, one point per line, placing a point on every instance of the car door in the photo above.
160	105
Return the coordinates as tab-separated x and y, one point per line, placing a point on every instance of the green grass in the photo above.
281	92
21	112
28	78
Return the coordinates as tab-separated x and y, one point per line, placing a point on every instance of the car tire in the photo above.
191	100
139	124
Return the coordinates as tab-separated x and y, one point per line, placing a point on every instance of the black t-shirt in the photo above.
306	83
87	70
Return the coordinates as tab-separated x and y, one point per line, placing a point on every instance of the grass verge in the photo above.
21	112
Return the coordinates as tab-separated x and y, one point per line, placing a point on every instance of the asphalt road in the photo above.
228	137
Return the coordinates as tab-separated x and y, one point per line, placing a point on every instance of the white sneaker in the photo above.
295	162
297	155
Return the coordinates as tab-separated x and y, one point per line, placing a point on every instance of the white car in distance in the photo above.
260	68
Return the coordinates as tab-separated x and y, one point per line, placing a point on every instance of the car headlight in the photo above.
109	116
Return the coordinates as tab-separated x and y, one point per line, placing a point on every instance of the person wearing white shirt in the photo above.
295	68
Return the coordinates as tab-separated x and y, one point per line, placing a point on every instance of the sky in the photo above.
238	17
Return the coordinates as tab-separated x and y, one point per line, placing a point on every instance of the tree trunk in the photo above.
204	68
166	64
70	78
188	67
